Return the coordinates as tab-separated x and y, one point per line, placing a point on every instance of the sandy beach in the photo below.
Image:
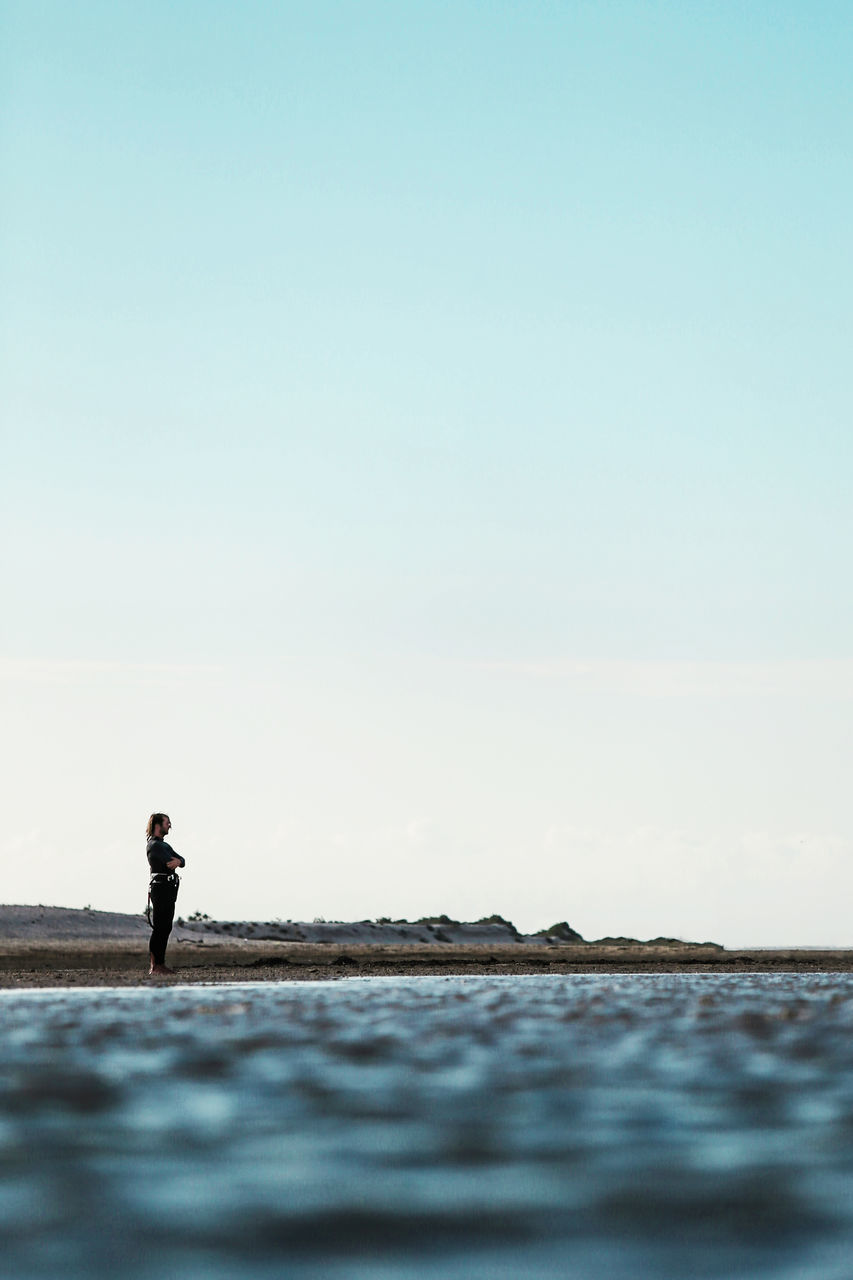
44	946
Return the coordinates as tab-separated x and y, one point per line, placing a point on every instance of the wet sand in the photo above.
119	962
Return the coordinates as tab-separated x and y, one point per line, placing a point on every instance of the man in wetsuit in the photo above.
162	890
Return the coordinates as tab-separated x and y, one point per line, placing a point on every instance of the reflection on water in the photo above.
621	1128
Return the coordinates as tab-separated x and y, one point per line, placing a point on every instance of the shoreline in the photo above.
42	946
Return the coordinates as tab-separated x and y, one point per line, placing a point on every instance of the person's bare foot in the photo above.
160	971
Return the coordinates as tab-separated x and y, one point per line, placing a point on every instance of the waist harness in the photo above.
160	877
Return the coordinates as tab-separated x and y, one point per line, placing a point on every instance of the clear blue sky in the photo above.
400	401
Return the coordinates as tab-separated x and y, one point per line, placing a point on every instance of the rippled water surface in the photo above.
617	1127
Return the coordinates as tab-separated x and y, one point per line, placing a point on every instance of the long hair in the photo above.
156	820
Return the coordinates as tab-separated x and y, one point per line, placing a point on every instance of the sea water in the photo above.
615	1127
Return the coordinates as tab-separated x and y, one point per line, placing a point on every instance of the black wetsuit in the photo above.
163	891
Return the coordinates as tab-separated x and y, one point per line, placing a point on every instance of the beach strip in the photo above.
124	962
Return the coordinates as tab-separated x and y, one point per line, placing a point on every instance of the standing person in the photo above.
162	890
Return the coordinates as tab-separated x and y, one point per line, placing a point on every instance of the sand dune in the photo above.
43	925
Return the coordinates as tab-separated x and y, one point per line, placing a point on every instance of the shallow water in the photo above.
623	1128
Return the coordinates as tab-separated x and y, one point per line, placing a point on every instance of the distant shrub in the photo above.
198	916
562	930
496	919
433	920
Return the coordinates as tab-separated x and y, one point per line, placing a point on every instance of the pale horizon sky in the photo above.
426	460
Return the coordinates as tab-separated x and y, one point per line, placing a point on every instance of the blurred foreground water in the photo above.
622	1128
